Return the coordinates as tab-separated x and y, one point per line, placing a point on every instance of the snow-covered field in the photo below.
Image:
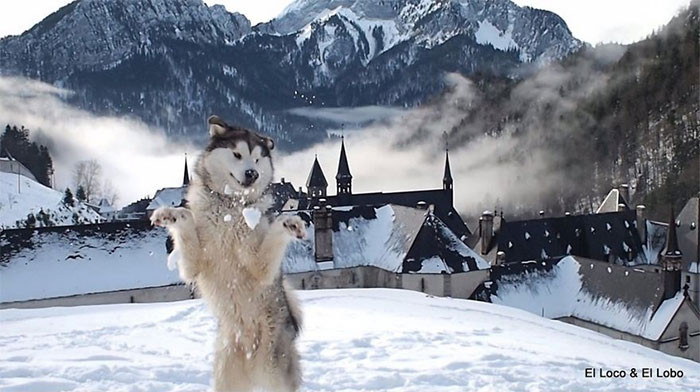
354	340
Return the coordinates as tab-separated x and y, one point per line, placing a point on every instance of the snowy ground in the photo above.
355	340
32	197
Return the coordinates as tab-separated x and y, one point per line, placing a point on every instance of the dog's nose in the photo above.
251	175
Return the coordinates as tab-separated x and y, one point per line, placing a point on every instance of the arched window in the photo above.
683	332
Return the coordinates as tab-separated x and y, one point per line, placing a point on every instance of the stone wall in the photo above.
147	295
460	285
668	346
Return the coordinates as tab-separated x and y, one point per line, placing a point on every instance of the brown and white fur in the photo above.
235	268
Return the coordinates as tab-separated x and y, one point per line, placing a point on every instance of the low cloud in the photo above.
508	169
349	115
136	158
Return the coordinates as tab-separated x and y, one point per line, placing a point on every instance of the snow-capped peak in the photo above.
535	34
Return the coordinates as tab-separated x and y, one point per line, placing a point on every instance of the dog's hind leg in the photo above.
181	225
229	373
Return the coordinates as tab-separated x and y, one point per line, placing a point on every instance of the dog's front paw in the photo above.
295	226
167	216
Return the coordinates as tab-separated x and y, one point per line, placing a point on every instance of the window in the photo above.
683	341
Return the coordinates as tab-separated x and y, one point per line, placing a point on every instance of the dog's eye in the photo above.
257	160
237	155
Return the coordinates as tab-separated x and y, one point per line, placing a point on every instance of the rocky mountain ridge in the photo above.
173	62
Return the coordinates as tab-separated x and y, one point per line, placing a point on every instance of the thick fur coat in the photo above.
236	268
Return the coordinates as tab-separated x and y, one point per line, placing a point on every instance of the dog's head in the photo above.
237	161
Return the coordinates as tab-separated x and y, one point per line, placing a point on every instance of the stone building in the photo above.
403	232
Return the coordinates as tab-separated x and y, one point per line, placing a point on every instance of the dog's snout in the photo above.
251	175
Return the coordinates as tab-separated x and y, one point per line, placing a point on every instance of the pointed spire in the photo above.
671	250
343	177
316	183
447	178
447	183
186	176
343	167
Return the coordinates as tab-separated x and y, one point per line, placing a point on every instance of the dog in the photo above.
235	264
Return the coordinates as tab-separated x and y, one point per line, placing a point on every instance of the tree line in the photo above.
15	143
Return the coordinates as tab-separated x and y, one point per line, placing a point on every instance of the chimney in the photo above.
500	257
323	231
486	229
625	192
621	207
642	223
671	258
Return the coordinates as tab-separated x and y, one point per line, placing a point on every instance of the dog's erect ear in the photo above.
217	126
269	143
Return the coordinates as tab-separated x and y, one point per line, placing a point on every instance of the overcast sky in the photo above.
593	21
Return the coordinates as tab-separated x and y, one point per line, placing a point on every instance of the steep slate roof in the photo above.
618	297
281	192
595	236
385	236
438	197
316	177
343	167
138	206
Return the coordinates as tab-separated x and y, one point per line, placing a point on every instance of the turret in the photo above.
316	184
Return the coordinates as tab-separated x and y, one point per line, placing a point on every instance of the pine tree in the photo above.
15	142
68	198
80	193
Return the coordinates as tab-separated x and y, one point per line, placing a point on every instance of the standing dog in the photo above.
235	263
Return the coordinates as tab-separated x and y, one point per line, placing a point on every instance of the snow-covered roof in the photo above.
391	237
167	197
604	236
57	262
655	241
621	298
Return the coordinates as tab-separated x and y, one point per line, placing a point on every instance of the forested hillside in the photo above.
606	115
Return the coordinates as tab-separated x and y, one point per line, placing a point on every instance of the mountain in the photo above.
601	117
174	62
